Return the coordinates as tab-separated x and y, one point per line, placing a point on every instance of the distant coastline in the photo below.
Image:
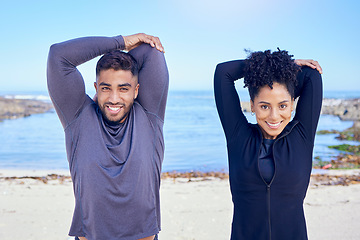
12	108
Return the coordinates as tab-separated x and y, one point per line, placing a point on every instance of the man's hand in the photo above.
133	41
310	63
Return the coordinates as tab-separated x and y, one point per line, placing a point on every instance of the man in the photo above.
114	143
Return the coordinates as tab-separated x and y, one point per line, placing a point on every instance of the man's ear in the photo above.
136	91
95	96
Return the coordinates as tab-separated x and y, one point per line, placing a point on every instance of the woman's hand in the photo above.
310	63
133	41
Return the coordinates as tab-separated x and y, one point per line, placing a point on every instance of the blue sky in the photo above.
196	34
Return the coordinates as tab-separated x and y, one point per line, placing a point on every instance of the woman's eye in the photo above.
283	106
265	107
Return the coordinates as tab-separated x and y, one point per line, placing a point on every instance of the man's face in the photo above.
116	91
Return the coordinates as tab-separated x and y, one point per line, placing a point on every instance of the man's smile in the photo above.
114	109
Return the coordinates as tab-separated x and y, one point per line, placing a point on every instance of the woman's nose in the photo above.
274	114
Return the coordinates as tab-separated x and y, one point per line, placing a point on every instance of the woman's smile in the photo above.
274	125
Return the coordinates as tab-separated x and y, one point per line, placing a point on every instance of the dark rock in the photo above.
16	108
345	109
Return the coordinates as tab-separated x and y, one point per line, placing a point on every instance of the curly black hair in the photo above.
265	68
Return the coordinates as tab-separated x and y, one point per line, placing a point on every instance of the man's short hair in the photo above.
117	60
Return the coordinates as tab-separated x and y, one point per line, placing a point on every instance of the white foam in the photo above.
28	96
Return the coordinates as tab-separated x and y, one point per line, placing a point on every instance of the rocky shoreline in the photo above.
11	108
348	109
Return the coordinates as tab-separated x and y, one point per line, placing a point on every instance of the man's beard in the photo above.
114	122
111	122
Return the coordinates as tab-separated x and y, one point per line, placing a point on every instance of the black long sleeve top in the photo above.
271	210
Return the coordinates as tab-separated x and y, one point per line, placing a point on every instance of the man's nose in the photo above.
114	97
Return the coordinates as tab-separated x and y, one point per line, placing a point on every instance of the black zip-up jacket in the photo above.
275	210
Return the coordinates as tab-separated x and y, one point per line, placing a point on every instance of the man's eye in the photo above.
105	88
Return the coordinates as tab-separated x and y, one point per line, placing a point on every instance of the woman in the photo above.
269	162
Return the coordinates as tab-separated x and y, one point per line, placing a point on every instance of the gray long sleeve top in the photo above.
115	169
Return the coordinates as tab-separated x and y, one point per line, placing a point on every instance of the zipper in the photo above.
269	212
268	185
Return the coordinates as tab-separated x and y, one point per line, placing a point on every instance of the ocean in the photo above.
194	140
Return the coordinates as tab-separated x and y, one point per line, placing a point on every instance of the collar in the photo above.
288	128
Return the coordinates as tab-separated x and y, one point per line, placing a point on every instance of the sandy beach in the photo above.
41	207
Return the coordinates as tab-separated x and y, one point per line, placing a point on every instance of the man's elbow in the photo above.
54	51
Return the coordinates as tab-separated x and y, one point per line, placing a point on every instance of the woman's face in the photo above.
273	109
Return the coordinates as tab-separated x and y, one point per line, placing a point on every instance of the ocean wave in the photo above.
45	98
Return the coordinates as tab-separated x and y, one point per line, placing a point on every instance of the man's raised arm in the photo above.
65	83
153	74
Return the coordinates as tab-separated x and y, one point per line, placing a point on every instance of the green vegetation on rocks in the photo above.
350	134
355	149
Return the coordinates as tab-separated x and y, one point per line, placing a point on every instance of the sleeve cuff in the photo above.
120	42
